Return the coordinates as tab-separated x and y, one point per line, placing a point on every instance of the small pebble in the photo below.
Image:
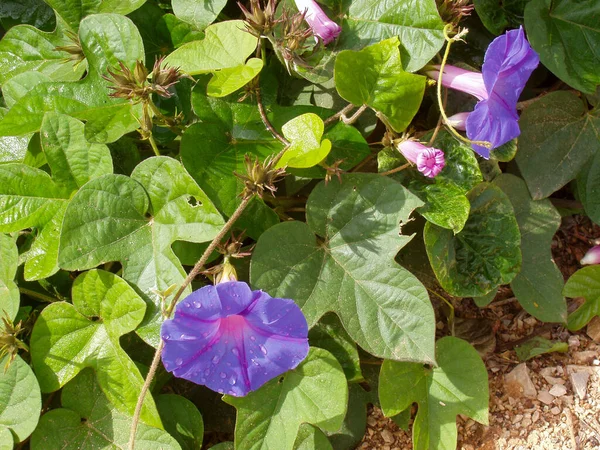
545	397
558	390
555	410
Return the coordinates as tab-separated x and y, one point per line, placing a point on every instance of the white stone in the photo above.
558	390
545	397
579	381
519	382
593	329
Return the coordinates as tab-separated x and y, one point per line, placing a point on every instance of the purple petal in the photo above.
491	122
431	161
254	339
321	25
509	62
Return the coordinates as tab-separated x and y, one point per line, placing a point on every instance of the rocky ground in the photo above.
549	402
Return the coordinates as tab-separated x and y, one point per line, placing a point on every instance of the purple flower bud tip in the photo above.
592	256
508	64
232	339
321	25
430	161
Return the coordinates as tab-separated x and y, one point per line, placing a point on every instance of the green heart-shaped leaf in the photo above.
374	76
182	420
199	13
584	283
306	148
66	338
342	260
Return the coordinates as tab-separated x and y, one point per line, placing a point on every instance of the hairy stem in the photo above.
266	121
354	117
397	169
345	110
195	271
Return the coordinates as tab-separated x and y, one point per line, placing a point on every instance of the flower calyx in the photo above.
260	20
10	344
73	49
333	170
260	176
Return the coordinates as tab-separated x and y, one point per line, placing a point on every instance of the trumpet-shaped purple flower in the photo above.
233	340
508	63
429	161
321	25
592	256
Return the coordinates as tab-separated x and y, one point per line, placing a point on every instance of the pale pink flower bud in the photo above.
459	121
592	256
321	25
461	80
429	161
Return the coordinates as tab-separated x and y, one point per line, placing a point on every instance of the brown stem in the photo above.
397	169
195	271
345	110
265	119
354	117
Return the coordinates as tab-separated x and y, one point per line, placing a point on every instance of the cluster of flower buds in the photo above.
134	84
9	342
453	11
73	49
260	20
225	272
260	177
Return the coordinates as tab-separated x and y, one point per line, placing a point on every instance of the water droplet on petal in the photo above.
235	351
166	337
232	380
223	375
263	349
187	305
202	380
207	372
215	359
197	305
252	338
255	362
178	361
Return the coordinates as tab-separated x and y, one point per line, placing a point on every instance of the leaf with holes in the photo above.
67	338
315	392
135	221
342	260
30	198
458	385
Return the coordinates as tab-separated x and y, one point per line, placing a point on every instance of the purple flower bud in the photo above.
592	256
233	340
509	61
321	25
430	161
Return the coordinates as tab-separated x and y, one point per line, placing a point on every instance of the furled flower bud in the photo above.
9	343
321	25
73	49
459	121
592	256
260	20
429	161
260	177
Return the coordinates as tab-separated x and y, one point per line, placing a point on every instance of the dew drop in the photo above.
166	337
263	349
223	375
235	351
178	361
202	380
182	336
232	380
187	305
252	338
207	372
255	362
197	305
215	359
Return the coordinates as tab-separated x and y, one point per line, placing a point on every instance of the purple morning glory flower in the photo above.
508	63
321	25
592	256
232	339
430	161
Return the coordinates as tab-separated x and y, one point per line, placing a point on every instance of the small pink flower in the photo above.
592	256
430	161
321	25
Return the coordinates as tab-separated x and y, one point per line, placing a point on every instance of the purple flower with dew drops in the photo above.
232	339
429	161
321	25
508	64
592	256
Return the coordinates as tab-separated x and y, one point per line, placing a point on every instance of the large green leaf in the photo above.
229	80
458	385
9	292
20	399
315	392
539	284
311	438
558	138
67	337
342	260
87	421
416	22
105	39
374	77
497	15
584	283
182	420
25	48
73	11
225	45
485	254
588	186
566	35
135	221
29	197
199	13
32	12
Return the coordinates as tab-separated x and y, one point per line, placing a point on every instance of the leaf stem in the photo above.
153	145
354	117
452	130
397	169
195	271
451	306
265	119
345	110
38	295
